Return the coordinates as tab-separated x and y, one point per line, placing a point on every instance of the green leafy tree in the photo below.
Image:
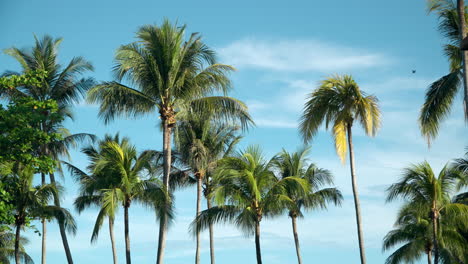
201	144
247	192
441	93
172	76
339	102
430	195
119	177
296	165
62	84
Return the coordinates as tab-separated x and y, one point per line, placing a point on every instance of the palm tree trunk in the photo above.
212	256
429	257
296	239
461	17
127	236
44	228
434	237
167	133
112	239
356	196
63	233
257	243
199	196
17	241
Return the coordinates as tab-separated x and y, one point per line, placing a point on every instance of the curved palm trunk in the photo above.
167	133
296	239
17	241
63	232
127	236
44	229
356	196
112	239
199	197
212	256
461	16
257	243
429	257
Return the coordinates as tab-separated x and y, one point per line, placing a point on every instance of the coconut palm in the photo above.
201	143
430	195
247	192
62	84
441	93
7	248
170	75
31	202
122	176
296	165
97	190
339	101
413	230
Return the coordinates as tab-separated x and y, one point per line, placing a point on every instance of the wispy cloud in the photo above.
299	55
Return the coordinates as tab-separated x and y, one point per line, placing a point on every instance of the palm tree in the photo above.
441	93
63	85
7	248
430	195
340	101
295	165
171	75
120	173
31	202
414	231
247	192
97	190
201	143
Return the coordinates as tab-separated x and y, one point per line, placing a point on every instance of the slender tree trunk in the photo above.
212	256
429	257
63	232
461	17
112	239
199	197
434	237
127	236
296	239
257	243
356	196
167	133
44	228
17	242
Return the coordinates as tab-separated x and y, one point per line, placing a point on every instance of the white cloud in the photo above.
298	55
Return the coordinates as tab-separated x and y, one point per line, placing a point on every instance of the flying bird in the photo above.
413	71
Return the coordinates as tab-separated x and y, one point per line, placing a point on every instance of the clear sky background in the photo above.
281	50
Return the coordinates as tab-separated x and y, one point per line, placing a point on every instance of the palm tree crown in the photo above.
339	102
430	195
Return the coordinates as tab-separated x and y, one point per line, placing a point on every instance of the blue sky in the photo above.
281	49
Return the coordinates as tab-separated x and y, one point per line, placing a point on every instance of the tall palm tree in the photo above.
296	165
32	202
441	93
339	101
201	144
7	248
170	75
430	195
414	231
248	192
62	84
97	190
128	177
